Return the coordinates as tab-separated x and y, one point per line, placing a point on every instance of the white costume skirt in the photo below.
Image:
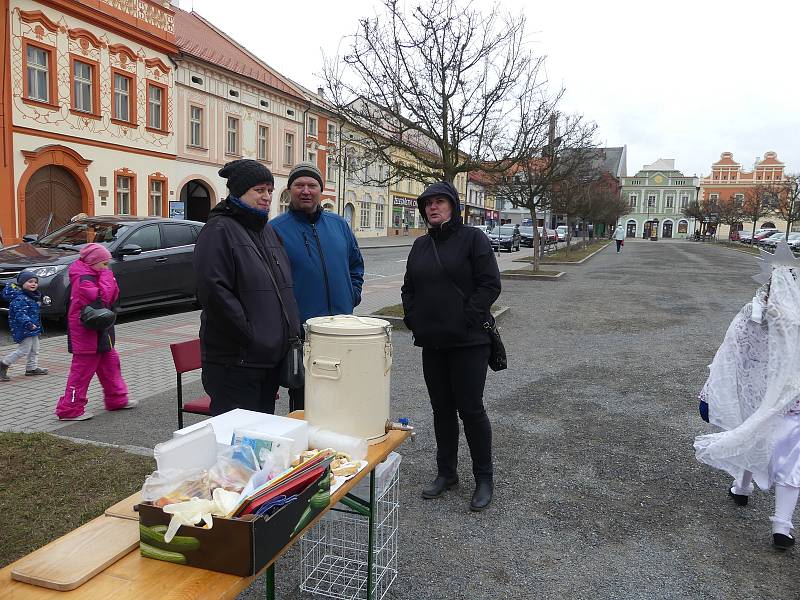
784	467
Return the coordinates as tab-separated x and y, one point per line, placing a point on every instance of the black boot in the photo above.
482	495
4	372
439	486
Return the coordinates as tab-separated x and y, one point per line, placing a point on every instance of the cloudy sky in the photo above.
672	79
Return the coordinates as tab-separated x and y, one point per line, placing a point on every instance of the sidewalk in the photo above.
386	241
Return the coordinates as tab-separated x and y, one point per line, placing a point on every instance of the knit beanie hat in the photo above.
93	254
305	169
25	276
244	173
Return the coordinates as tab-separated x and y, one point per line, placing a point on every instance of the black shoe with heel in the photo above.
439	486
739	499
782	542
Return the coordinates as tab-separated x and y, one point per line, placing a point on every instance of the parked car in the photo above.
760	234
772	241
734	236
744	237
552	236
506	237
151	260
526	235
562	231
759	239
484	228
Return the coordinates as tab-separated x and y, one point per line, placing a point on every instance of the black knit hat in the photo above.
244	173
440	188
305	169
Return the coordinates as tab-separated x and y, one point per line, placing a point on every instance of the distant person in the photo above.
619	237
327	266
25	322
92	284
405	227
446	307
244	334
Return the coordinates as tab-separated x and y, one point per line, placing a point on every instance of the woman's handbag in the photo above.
291	372
497	353
97	317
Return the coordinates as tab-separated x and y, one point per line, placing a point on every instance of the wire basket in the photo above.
334	552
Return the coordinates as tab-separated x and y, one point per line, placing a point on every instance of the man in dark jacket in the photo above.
239	260
327	267
450	284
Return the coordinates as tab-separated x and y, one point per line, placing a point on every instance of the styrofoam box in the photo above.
239	418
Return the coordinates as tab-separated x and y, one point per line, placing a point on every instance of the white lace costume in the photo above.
753	389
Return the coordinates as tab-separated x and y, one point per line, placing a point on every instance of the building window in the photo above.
680	182
125	195
366	210
632	199
713	197
651	201
263	142
124	104
232	138
636	182
683	226
39	79
312	157
379	212
738	200
83	87
670	201
156	106
288	149
195	126
331	167
312	126
156	194
331	133
684	202
284	201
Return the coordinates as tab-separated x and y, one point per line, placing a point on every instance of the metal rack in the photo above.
335	555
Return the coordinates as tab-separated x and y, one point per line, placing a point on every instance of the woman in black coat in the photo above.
447	300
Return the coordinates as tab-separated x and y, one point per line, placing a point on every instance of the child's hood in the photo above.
80	268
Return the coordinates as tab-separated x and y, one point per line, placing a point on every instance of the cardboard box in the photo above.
241	546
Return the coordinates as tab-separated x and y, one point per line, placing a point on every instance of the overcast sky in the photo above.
672	79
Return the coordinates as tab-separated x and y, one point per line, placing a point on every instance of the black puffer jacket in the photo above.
435	312
242	323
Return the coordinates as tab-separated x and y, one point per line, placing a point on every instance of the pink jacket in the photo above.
88	285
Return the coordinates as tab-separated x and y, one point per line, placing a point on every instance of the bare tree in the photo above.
761	201
729	211
698	211
789	201
456	89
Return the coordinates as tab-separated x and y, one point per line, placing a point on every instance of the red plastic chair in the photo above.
186	356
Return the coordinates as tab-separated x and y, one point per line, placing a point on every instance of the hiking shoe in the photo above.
36	371
84	417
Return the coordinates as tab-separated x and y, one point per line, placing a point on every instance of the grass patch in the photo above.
576	253
532	272
396	310
741	247
49	486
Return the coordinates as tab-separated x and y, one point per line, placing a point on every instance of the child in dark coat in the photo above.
24	302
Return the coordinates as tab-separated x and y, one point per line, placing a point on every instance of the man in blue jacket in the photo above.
327	266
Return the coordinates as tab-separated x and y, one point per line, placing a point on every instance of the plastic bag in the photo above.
234	468
176	485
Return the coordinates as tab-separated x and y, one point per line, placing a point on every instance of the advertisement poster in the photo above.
177	210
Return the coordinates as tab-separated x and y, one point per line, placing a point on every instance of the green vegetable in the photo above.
356	506
325	483
149	551
320	500
180	542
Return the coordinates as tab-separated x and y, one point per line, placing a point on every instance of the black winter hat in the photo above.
244	173
440	188
305	169
25	276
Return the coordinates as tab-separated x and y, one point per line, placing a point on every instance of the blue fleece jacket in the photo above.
24	318
327	267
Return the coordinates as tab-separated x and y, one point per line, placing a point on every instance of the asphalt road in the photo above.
598	494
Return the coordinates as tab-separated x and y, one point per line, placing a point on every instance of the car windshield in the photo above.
505	230
526	230
78	234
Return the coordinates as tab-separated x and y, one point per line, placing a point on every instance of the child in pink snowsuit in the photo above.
92	351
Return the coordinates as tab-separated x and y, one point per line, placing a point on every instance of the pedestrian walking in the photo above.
327	266
25	321
752	394
619	237
92	284
450	283
244	286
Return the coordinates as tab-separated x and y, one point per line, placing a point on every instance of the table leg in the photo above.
269	582
371	542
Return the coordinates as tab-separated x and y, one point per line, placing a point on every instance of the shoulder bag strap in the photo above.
268	269
446	273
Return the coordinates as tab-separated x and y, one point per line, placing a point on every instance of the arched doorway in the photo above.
666	231
52	197
196	200
630	229
349	211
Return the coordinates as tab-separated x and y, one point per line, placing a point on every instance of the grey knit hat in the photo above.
306	169
244	173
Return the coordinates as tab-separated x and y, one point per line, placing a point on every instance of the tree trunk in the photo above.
535	263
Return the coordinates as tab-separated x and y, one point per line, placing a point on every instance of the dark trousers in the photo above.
240	387
455	378
619	245
297	398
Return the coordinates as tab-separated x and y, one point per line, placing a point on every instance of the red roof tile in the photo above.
197	37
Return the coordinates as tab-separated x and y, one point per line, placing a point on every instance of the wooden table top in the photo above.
134	577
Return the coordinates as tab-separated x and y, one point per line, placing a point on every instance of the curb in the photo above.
384	246
507	275
544	261
397	322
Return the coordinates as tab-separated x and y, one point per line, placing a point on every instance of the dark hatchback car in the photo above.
506	236
151	260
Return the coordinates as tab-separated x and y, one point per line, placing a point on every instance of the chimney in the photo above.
321	91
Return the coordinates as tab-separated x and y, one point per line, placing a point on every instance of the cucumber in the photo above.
320	500
156	538
149	551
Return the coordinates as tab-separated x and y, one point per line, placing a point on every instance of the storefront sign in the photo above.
409	202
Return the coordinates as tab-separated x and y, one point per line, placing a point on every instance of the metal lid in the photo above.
347	325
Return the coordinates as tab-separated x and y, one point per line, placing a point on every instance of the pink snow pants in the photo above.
81	371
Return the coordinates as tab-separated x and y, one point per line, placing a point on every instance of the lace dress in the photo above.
753	389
